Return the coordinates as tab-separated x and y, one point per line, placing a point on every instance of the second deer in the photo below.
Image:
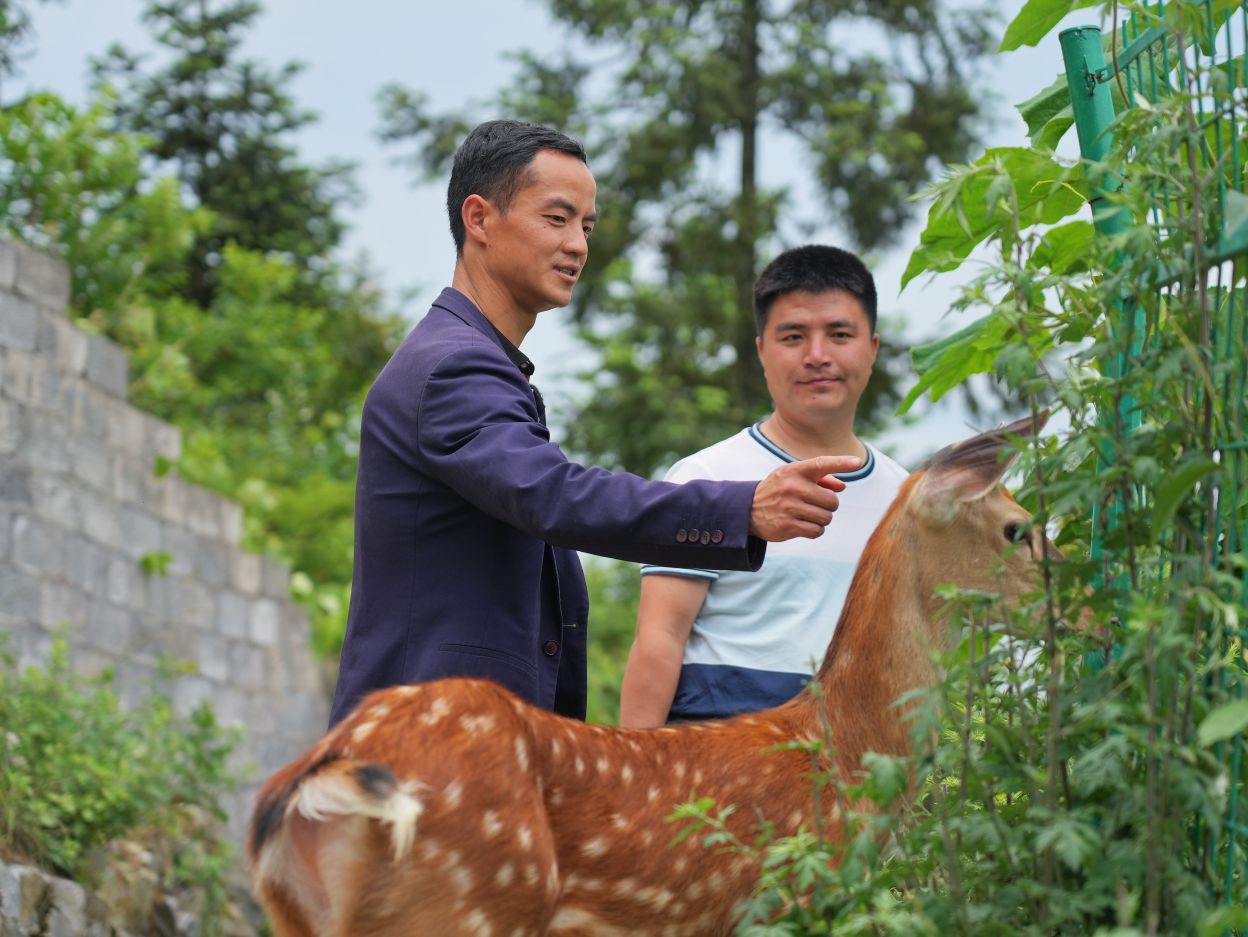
454	808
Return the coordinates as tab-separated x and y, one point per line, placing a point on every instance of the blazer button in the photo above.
550	648
682	535
717	536
706	536
693	534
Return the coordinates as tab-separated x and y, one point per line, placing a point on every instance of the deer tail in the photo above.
311	836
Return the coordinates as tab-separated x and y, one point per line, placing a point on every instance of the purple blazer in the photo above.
467	519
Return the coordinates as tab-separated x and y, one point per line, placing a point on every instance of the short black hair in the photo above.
814	268
491	162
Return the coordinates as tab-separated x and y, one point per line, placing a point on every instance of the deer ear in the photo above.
970	469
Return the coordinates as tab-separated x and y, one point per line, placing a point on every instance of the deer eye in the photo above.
1015	533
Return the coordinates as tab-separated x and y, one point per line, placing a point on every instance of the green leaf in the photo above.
1227	720
944	364
1036	19
156	563
1170	493
962	216
1064	249
1234	224
1042	107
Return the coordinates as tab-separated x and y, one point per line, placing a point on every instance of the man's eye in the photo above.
557	219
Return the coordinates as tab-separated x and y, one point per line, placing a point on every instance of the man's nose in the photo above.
577	243
818	351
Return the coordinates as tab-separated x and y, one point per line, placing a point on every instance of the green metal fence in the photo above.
1199	50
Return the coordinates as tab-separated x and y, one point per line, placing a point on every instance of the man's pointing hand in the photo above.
797	499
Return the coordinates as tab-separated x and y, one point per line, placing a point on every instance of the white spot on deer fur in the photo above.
603	764
556	798
679	769
552	882
491	824
657	898
454	793
475	724
429	850
715	882
795	819
380	711
694	890
505	874
626	773
647	837
579	764
652	794
363	731
594	847
438	711
697	776
522	754
459	873
525	835
555	748
680	865
480	925
530	874
619	822
632	743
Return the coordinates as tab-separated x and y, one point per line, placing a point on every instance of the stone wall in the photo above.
81	506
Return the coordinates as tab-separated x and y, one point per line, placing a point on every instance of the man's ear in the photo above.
474	213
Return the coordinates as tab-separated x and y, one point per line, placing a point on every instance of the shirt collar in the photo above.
454	301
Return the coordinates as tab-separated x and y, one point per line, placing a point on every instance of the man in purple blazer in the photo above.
467	515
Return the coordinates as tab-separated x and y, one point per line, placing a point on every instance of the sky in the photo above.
457	54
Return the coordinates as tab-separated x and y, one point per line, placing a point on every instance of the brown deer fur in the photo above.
454	808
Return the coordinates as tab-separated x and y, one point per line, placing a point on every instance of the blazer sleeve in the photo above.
479	435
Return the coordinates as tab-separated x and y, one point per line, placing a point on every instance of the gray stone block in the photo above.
101	521
19	594
166	440
191	691
19	323
173	498
233	614
15	482
231	520
203	514
125	586
212	563
42	278
63	342
108	367
62	605
91	413
10	426
276	578
245	573
8	265
192	605
141	533
47	445
92	464
55	500
109	629
37	545
212	656
6	535
180	544
249	666
264	626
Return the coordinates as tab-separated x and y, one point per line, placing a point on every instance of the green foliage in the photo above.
666	299
78	771
614	589
1078	780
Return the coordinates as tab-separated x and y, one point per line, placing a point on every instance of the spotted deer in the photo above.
454	808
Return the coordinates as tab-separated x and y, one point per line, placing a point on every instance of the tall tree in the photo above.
225	123
867	98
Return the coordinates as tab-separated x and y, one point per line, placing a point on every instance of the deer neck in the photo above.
880	652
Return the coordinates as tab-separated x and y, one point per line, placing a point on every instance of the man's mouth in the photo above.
570	273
